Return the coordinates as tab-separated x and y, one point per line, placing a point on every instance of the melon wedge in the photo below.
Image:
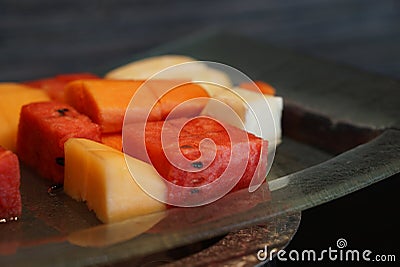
54	86
106	101
257	113
145	68
12	97
113	140
99	175
195	71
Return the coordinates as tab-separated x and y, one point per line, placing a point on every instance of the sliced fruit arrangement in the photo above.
68	128
10	198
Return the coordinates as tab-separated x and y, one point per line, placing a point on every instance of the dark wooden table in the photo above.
45	37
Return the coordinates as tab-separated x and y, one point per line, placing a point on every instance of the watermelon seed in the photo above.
62	111
197	164
194	191
54	189
60	161
186	147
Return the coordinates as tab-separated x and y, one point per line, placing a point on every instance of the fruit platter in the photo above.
143	159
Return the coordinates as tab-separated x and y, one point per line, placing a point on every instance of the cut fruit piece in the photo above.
259	86
78	166
145	68
259	114
181	152
106	101
195	71
113	140
12	97
105	183
189	99
42	131
10	198
54	86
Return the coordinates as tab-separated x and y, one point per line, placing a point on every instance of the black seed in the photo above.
197	164
194	191
60	161
62	111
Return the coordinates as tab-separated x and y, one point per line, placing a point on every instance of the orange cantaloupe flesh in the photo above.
106	101
113	140
12	97
180	95
54	86
264	87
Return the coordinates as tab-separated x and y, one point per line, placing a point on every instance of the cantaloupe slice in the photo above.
113	140
259	86
145	68
54	86
99	175
179	96
106	101
12	97
155	68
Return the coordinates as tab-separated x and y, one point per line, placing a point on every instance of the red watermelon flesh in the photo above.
42	131
10	198
202	168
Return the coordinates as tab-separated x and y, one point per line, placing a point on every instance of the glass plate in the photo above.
54	230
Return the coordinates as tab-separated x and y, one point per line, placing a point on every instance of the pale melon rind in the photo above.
145	68
197	71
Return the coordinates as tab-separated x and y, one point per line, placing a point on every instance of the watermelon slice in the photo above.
42	131
10	198
237	157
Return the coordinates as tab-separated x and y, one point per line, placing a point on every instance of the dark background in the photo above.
46	37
